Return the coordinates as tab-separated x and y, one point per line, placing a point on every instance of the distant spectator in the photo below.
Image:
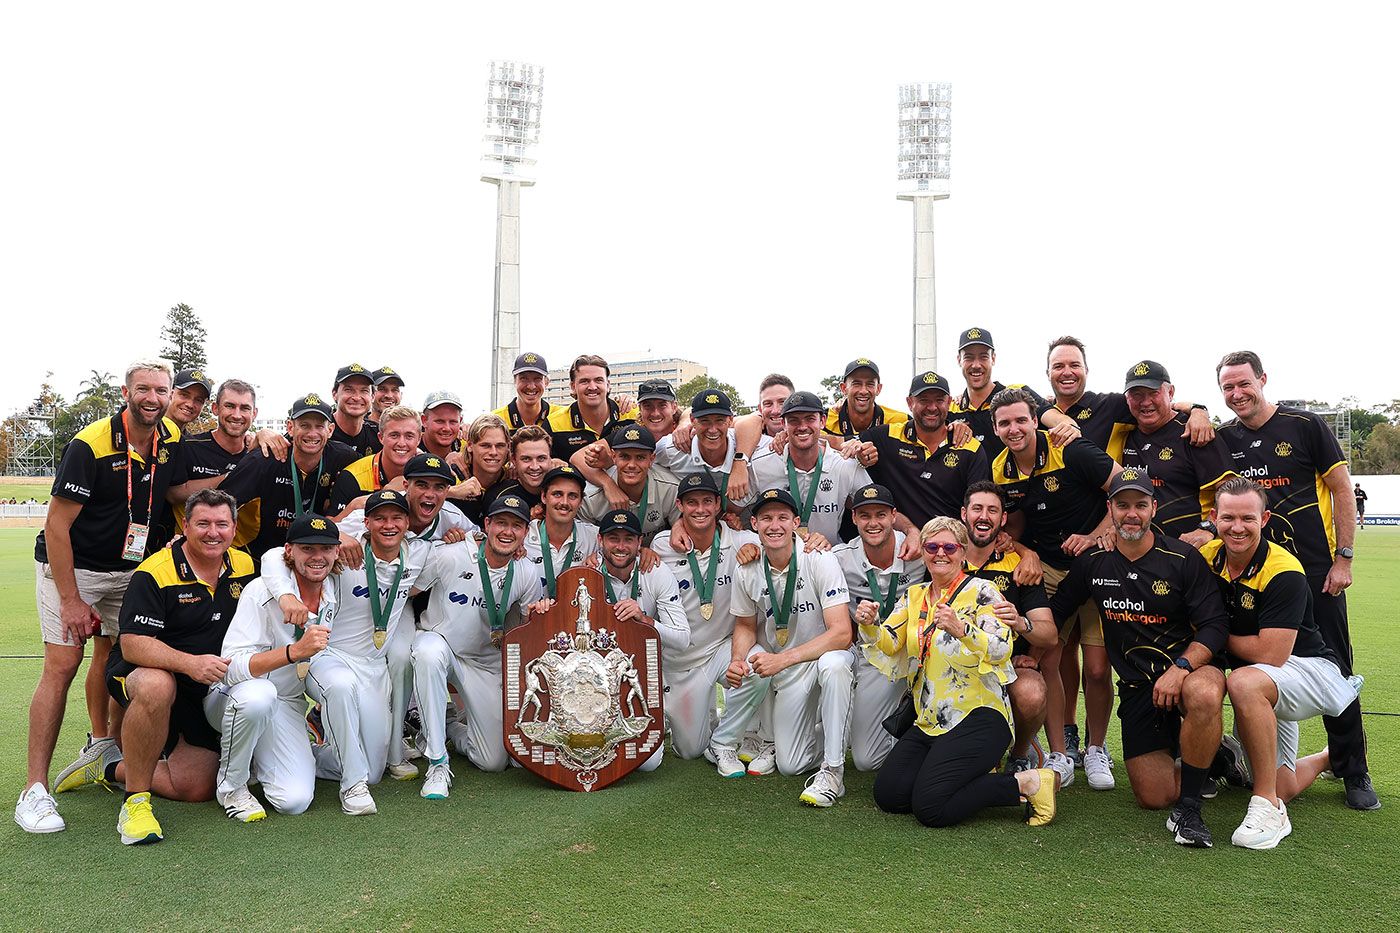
1360	505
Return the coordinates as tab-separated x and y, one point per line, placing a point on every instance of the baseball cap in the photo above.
654	389
860	363
442	397
631	436
193	377
776	495
1131	478
311	404
383	497
563	472
929	380
872	494
383	374
529	363
310	528
620	520
350	371
799	402
697	482
710	402
1148	374
975	335
430	466
510	504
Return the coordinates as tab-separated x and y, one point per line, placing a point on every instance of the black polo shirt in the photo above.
203	458
979	418
166	601
364	443
999	570
360	478
510	414
1289	456
1272	592
566	426
262	486
93	473
1183	477
1152	608
1104	419
838	419
1063	496
925	483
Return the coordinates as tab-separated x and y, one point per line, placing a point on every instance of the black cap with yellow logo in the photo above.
508	503
383	497
697	482
776	496
385	374
352	371
564	472
193	377
1134	478
710	402
631	437
429	466
860	363
974	336
529	363
311	404
1149	374
620	520
310	528
923	382
803	402
872	494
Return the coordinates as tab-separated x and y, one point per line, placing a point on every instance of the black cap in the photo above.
1148	374
929	380
872	494
633	437
654	389
529	363
310	528
799	402
193	377
429	466
350	371
776	495
1131	478
860	363
383	497
697	482
710	402
384	374
309	404
564	472
973	336
620	520
508	503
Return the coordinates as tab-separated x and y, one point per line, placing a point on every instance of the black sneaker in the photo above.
1360	794
1231	764
1210	789
1190	829
1072	748
412	724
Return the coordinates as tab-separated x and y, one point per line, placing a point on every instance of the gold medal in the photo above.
496	638
302	668
707	611
379	636
782	637
803	531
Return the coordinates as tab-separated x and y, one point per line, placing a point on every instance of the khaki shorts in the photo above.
101	590
1086	617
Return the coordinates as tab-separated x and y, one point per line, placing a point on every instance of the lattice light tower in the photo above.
925	154
30	442
514	95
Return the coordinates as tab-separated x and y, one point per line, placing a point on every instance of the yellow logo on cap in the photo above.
633	435
433	462
1051	484
197	375
566	469
531	358
312	399
356	368
1129	474
712	398
1284	449
1246	600
930	378
235	590
620	518
512	502
770	494
863	362
387	371
1161	587
1140	369
1166	453
319	524
870	494
973	334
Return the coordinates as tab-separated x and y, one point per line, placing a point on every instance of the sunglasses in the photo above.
934	547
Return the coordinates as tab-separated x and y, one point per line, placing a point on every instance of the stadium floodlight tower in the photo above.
514	93
925	153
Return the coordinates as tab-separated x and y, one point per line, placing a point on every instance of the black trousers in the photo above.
945	779
1346	739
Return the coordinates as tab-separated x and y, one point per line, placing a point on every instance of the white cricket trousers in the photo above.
354	698
802	694
876	697
263	738
477	732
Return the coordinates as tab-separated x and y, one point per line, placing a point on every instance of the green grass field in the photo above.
683	849
12	487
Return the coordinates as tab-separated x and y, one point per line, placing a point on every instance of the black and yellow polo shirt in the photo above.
925	483
364	443
838	419
510	414
1272	592
360	478
262	486
999	570
1183	477
93	473
1104	419
570	434
1290	456
979	417
203	458
168	602
1063	496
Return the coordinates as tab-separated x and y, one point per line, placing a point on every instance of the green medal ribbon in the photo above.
781	613
705	586
378	610
722	481
886	601
642	506
546	551
636	585
495	612
302	508
805	514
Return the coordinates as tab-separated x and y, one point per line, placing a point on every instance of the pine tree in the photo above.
183	336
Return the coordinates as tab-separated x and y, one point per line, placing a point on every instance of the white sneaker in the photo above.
824	788
1098	768
437	782
750	747
37	812
402	770
356	801
727	762
1264	825
765	762
241	805
410	750
1063	766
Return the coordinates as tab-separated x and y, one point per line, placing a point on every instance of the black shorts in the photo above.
1146	728
187	719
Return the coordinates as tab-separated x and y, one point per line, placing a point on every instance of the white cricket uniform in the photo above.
875	695
685	462
803	693
661	511
840	477
262	720
350	678
691	672
585	538
454	645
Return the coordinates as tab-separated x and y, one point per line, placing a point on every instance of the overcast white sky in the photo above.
716	182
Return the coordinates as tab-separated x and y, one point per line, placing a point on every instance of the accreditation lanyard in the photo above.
945	598
804	515
310	505
136	535
781	611
636	585
546	550
705	585
495	612
379	610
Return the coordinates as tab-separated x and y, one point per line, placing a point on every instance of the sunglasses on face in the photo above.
935	547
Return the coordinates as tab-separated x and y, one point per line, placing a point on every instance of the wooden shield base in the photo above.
538	636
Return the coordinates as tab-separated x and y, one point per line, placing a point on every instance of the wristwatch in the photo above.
1346	552
1184	663
738	456
1199	407
1209	525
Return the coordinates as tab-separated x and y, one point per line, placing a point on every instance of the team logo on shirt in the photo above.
1246	600
235	590
325	479
950	460
1084	414
1283	449
1165	453
1140	369
163	456
1161	587
1052	484
1002	582
826	484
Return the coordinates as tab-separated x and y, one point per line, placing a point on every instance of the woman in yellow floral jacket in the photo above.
948	640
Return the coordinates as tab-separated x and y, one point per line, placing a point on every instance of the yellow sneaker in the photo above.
1042	802
89	767
137	823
